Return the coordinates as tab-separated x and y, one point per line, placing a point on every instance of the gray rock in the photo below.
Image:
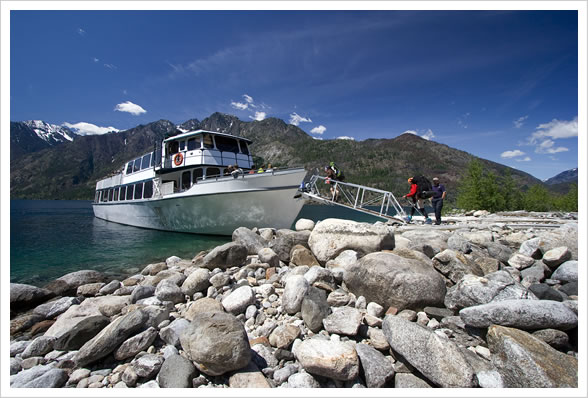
249	239
197	281
320	276
521	314
18	346
264	356
527	362
39	347
556	256
454	265
283	374
54	378
129	376
110	287
533	248
478	238
205	304
566	272
571	289
377	369
335	360
219	280
89	289
110	337
487	375
300	255
394	281
343	320
533	274
107	305
217	342
499	251
555	338
76	326
546	292
338	298
171	334
284	335
520	261
474	290
147	365
239	300
249	377
155	315
375	309
283	244
314	309
24	296
302	380
459	243
487	264
77	375
296	288
15	366
225	256
24	377
268	256
304	224
68	284
54	308
154	269
408	380
436	357
135	344
332	236
168	291
142	292
149	384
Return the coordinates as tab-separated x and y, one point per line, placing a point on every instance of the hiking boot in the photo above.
407	219
428	221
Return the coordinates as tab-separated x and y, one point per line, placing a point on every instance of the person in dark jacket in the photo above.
416	200
437	199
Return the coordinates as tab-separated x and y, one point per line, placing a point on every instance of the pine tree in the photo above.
492	197
513	197
470	191
538	198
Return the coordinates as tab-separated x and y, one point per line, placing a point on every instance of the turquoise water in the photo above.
49	238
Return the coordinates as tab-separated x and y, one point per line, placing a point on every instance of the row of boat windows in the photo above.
208	141
141	190
142	163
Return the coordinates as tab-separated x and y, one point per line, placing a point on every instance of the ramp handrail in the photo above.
354	195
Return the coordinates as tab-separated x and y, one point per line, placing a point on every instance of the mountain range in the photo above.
52	162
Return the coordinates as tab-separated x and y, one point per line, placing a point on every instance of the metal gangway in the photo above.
375	202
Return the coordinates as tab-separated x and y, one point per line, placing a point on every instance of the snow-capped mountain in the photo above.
35	135
568	176
50	133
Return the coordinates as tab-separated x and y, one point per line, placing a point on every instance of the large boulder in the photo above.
392	280
239	299
197	281
314	309
68	284
110	337
55	308
521	314
436	357
252	241
23	297
225	256
566	272
556	256
454	265
524	361
296	288
216	342
474	290
205	304
332	236
336	360
76	326
284	243
135	344
377	369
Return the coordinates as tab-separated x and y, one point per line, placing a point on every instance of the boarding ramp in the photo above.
375	202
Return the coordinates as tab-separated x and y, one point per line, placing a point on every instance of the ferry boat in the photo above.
199	182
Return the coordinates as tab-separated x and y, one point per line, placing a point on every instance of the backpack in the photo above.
424	187
336	169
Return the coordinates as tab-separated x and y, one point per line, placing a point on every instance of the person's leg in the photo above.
421	204
438	208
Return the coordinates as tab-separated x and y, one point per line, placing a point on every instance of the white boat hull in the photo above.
215	207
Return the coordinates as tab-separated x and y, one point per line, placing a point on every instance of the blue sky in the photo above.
502	85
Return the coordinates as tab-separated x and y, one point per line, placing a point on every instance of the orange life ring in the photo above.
178	159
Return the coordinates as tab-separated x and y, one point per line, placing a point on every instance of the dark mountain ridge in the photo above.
71	170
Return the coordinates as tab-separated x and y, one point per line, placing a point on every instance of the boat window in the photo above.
96	195
130	167
194	143
123	191
115	194
137	165
182	145
197	175
226	144
156	159
146	161
138	190
207	140
185	180
110	194
244	148
173	147
129	194
148	192
212	172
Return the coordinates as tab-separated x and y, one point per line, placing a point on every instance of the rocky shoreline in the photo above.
337	304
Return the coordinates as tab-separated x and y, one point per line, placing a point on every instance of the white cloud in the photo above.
258	116
81	32
511	154
427	135
520	121
318	130
344	137
96	59
129	107
546	146
110	66
83	128
239	105
248	98
525	159
556	129
318	138
296	119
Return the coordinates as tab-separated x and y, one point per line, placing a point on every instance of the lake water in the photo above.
49	238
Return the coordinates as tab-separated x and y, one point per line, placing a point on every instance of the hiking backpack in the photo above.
424	187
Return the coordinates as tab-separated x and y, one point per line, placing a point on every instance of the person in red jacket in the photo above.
416	199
